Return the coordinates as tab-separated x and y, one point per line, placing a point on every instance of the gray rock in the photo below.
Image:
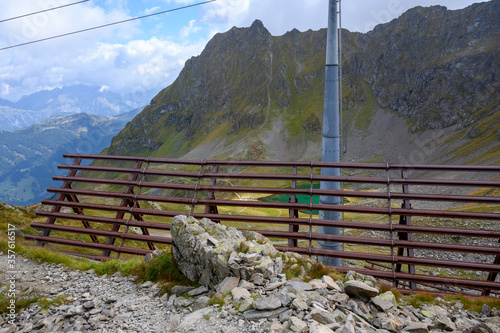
198	291
9	329
330	283
246	304
200	303
208	252
267	303
283	317
417	328
191	318
392	323
181	290
228	284
240	293
486	310
444	323
385	301
297	325
298	286
258	315
355	288
323	316
318	328
299	304
257	279
183	302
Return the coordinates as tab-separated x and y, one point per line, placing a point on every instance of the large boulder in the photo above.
207	252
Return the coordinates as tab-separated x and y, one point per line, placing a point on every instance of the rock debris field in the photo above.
255	296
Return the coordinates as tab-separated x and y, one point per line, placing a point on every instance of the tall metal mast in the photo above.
330	150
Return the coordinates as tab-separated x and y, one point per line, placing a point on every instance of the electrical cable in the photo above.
42	11
107	25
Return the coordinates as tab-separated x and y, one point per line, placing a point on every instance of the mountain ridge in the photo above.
250	95
29	156
66	100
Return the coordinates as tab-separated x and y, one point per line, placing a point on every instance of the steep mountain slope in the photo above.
29	156
422	88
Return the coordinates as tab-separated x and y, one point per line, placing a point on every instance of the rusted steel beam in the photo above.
487	250
352	179
67	184
398	275
374	166
284	220
90	245
397	259
286	205
97	232
86	255
109	220
421	279
291	191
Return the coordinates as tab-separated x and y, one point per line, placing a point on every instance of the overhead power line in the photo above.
106	25
42	11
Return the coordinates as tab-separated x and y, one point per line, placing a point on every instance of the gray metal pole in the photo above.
331	133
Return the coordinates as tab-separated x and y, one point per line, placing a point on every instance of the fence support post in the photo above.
407	236
212	209
293	213
70	197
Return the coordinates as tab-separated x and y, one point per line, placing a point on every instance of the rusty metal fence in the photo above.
419	226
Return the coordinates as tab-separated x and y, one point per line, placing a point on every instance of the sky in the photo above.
148	54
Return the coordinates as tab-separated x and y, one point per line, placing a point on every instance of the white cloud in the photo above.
190	29
116	57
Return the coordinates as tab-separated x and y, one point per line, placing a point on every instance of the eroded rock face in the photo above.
208	252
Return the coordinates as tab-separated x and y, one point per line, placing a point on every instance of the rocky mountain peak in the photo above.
433	67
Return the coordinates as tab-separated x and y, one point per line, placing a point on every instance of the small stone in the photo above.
330	283
183	302
147	284
299	305
267	303
88	305
318	284
297	325
9	329
228	284
240	293
322	316
285	316
181	290
198	291
245	305
247	285
486	310
298	286
258	315
392	323
444	323
385	301
318	328
416	327
355	288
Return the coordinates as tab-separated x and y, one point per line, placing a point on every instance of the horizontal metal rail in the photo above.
263	204
314	164
296	191
197	188
255	176
264	220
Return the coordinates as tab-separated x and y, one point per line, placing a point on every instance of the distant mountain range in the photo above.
46	104
422	88
29	156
